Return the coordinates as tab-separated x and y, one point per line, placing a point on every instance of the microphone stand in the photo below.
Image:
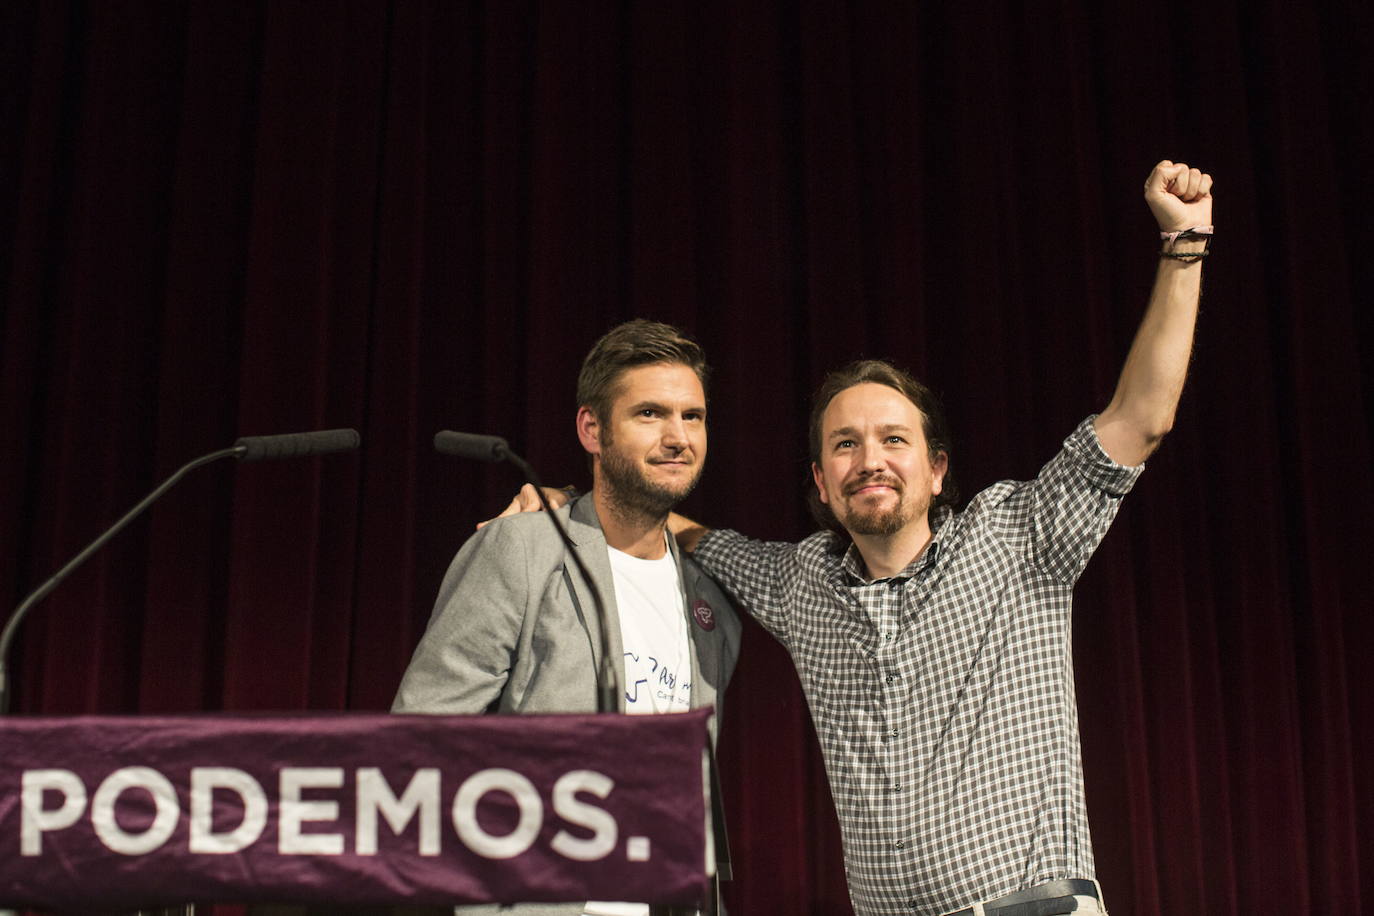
247	448
496	449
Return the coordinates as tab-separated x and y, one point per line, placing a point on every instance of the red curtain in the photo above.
249	218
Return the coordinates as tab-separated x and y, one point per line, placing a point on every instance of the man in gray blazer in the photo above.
515	629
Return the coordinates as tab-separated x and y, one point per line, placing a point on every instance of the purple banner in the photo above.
149	811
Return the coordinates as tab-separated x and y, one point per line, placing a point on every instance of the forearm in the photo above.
1142	409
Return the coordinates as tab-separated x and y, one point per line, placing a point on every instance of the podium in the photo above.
140	812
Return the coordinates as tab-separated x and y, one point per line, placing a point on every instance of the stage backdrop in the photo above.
223	219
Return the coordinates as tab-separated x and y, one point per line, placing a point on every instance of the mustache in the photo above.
683	457
878	480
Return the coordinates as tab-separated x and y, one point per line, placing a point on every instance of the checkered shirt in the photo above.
943	696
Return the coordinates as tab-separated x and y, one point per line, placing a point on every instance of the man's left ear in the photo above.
938	467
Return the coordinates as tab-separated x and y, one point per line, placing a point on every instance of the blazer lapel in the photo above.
584	528
701	629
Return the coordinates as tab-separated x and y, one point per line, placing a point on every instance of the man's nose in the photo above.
871	458
675	433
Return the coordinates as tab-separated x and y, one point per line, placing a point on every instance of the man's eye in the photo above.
844	443
896	439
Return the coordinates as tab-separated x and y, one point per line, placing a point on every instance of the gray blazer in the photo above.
505	636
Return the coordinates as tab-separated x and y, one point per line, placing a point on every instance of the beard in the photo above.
877	521
632	495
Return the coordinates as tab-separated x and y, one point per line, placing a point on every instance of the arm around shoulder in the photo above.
687	532
762	577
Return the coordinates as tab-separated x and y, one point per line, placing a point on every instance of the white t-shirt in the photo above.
653	628
658	657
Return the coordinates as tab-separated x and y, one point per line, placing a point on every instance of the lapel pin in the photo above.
703	615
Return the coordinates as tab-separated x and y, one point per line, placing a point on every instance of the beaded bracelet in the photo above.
1188	257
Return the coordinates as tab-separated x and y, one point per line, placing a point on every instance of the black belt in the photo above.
1049	899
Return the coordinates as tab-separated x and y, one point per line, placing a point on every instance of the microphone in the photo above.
494	449
247	448
296	445
472	446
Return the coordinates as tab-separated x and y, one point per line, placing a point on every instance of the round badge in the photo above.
703	615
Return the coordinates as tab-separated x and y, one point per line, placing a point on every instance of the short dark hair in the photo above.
933	425
626	346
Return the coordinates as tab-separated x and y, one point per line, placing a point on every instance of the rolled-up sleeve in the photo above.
1076	497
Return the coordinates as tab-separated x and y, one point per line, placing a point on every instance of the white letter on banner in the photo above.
34	819
374	794
598	820
204	782
107	796
294	811
526	798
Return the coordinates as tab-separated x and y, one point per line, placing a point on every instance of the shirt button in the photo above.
899	844
891	678
887	637
893	733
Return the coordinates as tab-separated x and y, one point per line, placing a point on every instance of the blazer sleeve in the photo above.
465	656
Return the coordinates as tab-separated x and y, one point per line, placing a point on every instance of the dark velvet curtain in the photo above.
224	219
